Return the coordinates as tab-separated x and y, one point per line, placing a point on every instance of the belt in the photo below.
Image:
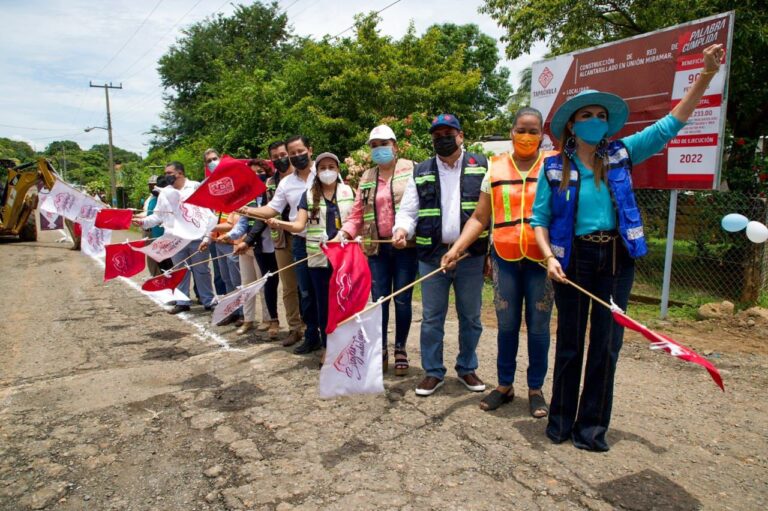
600	236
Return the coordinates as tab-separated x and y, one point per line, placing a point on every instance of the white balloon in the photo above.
757	232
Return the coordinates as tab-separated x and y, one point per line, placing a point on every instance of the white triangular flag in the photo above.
231	302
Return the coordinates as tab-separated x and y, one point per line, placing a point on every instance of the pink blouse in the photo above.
385	211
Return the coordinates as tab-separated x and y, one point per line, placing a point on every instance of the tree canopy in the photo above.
238	83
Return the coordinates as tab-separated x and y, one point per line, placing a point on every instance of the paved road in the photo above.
106	402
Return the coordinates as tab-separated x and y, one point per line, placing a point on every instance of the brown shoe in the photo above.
293	337
246	327
472	382
428	386
263	326
274	329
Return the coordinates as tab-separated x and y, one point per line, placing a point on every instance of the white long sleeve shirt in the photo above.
288	193
168	201
450	202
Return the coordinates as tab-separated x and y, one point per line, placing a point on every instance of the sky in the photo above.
55	48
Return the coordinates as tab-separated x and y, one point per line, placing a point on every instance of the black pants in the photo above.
593	267
268	263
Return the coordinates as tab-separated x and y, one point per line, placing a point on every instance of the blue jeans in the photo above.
307	305
591	267
321	280
218	282
391	270
201	272
467	282
515	282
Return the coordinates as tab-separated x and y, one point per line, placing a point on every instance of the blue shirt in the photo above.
596	211
156	231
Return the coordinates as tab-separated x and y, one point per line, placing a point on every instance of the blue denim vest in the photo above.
564	204
429	226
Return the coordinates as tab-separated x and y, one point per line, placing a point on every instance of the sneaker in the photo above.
428	386
294	336
472	382
209	307
179	308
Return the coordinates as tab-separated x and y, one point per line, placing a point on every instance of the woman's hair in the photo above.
317	193
599	163
527	110
265	165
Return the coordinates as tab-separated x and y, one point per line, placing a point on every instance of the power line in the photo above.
292	4
29	128
158	42
354	24
130	38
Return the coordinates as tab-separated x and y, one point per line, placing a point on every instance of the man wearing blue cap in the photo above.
437	202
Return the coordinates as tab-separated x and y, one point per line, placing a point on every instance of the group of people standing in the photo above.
545	219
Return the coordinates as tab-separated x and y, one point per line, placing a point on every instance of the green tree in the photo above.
15	149
568	26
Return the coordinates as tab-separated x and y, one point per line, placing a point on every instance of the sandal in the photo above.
497	398
538	405
401	363
385	361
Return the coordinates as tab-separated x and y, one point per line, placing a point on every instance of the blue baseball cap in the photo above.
449	120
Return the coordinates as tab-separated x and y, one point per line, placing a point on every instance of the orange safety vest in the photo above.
512	196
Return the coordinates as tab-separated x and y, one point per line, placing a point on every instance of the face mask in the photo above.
591	131
170	179
155	192
328	177
282	164
300	161
382	155
263	177
525	144
212	165
445	145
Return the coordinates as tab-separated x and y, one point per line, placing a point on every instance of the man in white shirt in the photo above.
166	204
437	202
288	193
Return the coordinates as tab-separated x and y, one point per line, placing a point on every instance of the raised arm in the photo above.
712	57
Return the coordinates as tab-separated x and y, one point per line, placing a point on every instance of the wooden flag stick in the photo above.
401	290
570	283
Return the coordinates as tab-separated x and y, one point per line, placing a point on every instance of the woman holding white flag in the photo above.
589	228
322	210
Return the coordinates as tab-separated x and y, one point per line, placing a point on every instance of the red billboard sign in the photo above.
652	72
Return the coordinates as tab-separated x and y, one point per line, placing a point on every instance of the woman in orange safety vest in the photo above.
506	202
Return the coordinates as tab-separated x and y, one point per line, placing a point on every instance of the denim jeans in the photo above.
586	420
218	282
307	305
201	272
321	280
514	283
467	282
391	270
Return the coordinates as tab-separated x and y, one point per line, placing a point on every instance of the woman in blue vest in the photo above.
588	226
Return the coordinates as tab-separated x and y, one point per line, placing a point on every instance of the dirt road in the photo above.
107	402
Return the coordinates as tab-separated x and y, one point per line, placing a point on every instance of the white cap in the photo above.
382	132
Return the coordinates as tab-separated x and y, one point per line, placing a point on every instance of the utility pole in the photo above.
112	178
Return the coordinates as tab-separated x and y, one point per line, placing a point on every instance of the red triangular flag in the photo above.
659	341
115	219
350	286
233	184
171	281
122	261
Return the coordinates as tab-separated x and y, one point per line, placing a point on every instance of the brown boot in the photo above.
247	327
294	336
274	329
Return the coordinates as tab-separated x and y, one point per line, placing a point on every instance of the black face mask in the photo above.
445	145
263	177
170	179
155	192
282	164
300	161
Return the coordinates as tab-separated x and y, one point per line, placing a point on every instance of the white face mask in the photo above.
328	177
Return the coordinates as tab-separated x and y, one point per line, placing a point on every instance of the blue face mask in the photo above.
382	155
591	131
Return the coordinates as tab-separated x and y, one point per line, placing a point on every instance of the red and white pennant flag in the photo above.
231	302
